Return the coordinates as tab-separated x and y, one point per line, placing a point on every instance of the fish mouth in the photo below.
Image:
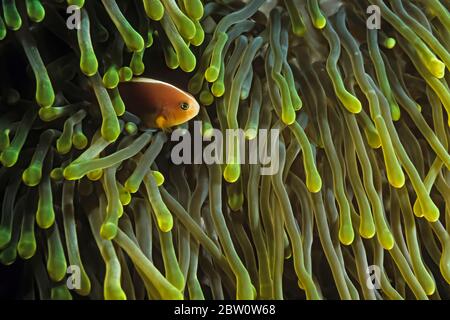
197	110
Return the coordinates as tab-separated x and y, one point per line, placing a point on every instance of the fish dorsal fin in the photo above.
158	82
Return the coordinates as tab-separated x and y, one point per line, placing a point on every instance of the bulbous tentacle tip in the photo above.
108	230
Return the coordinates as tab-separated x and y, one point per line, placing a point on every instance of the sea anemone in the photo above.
93	205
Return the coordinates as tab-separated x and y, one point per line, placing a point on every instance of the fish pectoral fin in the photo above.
161	122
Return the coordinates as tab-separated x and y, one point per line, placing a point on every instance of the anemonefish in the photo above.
158	104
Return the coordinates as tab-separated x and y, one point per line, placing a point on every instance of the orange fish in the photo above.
159	104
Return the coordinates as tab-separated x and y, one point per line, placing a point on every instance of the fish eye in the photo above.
184	106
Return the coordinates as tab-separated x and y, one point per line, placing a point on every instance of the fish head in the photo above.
181	108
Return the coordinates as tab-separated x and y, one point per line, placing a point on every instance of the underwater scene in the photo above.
224	149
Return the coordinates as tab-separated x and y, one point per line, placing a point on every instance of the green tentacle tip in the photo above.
108	230
45	216
187	60
111	78
56	268
417	209
159	177
118	104
63	146
57	174
165	223
111	131
171	58
389	43
85	288
136	42
32	175
12	16
431	211
94	175
396	177
45	96
131	128
373	139
206	98
430	287
131	186
288	116
48	114
437	68
212	73
320	22
314	182
194	9
125	197
187	29
35	10
199	37
218	89
26	248
88	63
154	9
232	172
9	157
136	64
125	74
79	141
367	229
395	112
353	104
346	234
386	239
71	172
78	3
299	30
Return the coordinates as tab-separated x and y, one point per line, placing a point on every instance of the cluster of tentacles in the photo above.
363	153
